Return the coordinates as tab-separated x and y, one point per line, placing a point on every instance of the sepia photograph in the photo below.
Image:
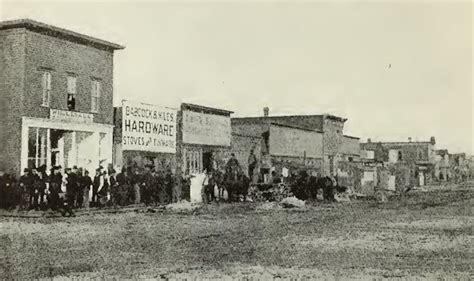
236	140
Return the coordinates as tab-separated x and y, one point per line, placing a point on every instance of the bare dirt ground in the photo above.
423	235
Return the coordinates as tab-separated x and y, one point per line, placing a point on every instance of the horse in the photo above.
236	185
307	187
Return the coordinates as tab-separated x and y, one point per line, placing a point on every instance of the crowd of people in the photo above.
37	189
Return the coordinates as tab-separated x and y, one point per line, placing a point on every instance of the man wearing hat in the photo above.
148	184
72	186
43	181
96	184
26	189
56	180
85	184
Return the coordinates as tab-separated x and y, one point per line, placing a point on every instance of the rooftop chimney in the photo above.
409	139
432	140
265	111
369	140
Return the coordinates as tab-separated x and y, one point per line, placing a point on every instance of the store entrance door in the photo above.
207	160
63	148
57	148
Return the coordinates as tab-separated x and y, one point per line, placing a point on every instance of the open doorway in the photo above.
207	160
63	152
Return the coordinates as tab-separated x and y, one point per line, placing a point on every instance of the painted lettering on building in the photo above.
206	129
70	116
148	128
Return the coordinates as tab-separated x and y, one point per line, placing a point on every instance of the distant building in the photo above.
56	97
283	146
350	149
411	152
323	137
412	162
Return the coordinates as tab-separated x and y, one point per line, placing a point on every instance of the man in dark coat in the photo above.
148	184
169	185
124	186
85	184
27	189
56	180
72	186
43	178
252	162
95	186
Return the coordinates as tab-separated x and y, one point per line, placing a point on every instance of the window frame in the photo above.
96	86
46	88
71	91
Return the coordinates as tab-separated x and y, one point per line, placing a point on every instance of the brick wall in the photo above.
313	122
12	70
350	146
241	146
285	141
23	57
249	127
64	57
333	137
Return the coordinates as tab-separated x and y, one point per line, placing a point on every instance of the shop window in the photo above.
95	95
46	81
71	92
193	162
37	146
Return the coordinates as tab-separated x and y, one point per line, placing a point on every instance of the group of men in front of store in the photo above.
38	190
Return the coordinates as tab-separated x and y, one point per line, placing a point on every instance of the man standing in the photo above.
147	186
113	187
72	187
123	185
43	178
95	186
56	180
252	162
26	189
170	186
85	184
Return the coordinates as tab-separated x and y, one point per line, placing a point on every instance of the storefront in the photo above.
206	138
145	135
66	139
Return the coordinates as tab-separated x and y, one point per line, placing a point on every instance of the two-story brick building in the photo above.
56	90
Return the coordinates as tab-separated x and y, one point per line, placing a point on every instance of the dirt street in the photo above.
423	235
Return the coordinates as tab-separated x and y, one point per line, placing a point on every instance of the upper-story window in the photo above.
95	95
71	92
46	88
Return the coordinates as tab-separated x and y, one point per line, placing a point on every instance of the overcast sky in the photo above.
296	58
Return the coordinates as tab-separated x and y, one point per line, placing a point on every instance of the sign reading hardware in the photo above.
148	128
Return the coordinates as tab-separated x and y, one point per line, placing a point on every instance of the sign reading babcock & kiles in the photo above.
148	127
206	129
